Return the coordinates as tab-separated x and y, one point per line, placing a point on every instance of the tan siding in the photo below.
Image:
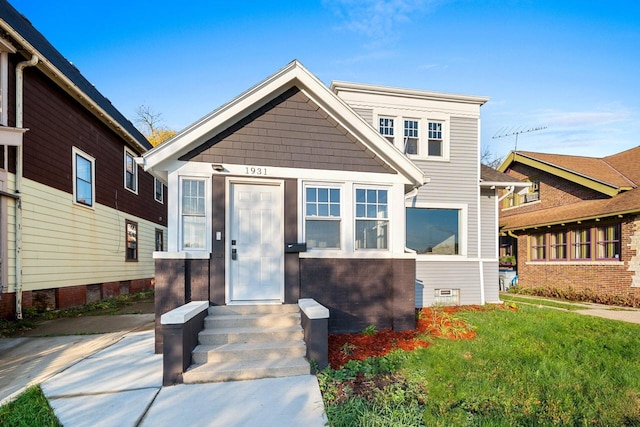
367	114
67	245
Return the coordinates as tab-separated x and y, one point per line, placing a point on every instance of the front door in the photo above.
256	243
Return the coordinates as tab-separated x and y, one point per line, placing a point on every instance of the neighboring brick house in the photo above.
578	226
79	220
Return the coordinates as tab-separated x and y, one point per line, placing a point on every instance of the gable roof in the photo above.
590	172
66	75
489	177
617	176
292	75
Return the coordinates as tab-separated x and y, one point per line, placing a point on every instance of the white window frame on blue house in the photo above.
463	231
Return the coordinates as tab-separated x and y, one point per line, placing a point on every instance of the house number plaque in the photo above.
253	170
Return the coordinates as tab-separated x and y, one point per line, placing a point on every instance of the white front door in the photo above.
256	240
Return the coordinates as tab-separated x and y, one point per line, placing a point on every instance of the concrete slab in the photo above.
282	402
93	325
624	315
115	369
26	361
121	409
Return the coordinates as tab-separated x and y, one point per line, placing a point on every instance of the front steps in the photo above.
243	342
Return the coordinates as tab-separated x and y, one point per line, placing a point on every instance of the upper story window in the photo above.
158	190
5	49
435	145
322	216
411	138
83	178
130	171
386	128
372	218
193	224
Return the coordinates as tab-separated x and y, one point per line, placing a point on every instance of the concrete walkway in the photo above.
122	386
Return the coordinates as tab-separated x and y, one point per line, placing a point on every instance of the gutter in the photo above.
18	184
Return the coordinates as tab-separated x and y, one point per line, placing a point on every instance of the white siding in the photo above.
488	224
66	245
367	114
491	282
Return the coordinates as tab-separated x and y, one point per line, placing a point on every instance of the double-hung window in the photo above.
435	143
411	139
83	178
386	128
608	242
130	171
193	213
158	190
558	245
372	218
322	214
581	244
131	240
538	247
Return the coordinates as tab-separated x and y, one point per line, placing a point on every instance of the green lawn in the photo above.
30	409
533	367
541	301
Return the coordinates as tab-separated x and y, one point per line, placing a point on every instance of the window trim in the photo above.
463	230
339	219
156	181
391	136
75	152
129	153
617	242
405	138
207	214
388	218
136	248
572	244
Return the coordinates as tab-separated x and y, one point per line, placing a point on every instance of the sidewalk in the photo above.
115	379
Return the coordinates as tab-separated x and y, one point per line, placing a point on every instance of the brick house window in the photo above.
608	242
558	245
322	215
581	244
131	241
538	247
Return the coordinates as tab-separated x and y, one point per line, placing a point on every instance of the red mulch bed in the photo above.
430	323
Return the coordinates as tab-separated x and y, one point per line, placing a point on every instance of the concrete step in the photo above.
249	334
283	320
246	370
253	309
248	351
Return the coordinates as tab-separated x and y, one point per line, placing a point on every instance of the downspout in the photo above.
19	163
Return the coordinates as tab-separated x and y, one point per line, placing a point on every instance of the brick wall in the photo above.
70	296
600	277
554	191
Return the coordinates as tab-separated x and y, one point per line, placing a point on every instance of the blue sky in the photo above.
572	66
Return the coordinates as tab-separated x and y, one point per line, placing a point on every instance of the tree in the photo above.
150	124
488	158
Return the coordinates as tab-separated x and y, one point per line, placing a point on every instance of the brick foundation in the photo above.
70	296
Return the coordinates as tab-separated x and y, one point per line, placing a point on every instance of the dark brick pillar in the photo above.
170	291
404	294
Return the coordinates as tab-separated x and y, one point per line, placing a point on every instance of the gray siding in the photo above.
456	181
491	282
367	114
463	275
290	131
489	237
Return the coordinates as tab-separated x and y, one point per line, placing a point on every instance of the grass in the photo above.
31	408
110	306
533	367
540	301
